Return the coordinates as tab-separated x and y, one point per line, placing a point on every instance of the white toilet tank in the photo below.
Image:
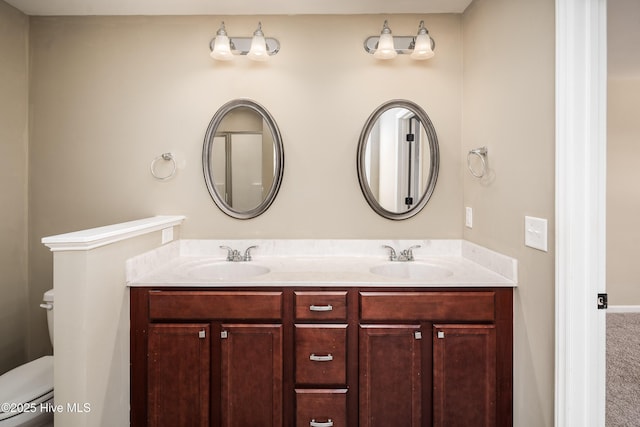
48	305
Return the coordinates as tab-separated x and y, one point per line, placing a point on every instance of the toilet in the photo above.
26	391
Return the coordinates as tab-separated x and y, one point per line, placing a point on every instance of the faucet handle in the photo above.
409	252
247	253
392	252
229	252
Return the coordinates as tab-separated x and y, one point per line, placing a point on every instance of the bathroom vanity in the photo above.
321	342
321	356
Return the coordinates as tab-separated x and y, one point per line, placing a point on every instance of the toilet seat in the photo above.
26	387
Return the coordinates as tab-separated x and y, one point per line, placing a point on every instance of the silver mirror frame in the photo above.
433	149
278	158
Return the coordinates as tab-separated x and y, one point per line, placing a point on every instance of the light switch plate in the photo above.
535	233
468	217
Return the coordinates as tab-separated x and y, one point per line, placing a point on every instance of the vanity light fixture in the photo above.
258	51
257	48
423	44
221	46
386	46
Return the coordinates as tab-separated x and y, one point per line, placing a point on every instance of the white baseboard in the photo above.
623	309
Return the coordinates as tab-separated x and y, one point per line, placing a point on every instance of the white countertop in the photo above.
441	263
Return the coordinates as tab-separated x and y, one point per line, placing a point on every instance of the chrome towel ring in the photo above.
166	157
481	153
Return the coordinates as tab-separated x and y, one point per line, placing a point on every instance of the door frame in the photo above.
581	81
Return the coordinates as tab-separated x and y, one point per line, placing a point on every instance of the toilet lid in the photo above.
26	382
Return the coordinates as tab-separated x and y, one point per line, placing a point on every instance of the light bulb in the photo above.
423	44
258	51
385	48
221	46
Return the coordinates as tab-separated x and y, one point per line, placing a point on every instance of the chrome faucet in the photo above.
247	253
405	255
234	255
392	253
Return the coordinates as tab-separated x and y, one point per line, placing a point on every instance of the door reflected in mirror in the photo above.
243	159
398	159
243	153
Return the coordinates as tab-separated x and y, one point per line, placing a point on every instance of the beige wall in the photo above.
14	32
109	94
623	191
508	106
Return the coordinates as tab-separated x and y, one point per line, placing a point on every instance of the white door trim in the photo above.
581	77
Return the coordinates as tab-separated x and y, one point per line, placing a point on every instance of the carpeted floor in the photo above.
623	370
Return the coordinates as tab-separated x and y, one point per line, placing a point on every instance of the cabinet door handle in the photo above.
315	423
318	358
327	307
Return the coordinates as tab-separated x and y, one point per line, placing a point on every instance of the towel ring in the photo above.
167	157
482	154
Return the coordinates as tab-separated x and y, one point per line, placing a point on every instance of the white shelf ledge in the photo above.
92	238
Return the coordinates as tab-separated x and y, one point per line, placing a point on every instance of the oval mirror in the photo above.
398	159
243	159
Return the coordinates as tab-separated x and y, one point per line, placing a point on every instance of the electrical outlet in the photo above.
167	235
468	217
535	233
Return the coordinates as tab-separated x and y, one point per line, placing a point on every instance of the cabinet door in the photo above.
251	375
464	375
390	376
179	377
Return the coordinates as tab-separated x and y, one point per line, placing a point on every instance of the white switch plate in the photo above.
167	235
535	233
468	217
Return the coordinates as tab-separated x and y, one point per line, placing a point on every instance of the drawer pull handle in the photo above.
315	423
318	358
328	307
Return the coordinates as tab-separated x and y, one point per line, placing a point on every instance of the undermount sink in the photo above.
411	270
223	270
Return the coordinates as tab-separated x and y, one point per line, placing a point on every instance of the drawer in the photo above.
321	354
434	306
321	408
227	305
321	305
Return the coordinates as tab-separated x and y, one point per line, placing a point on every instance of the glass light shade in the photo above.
386	49
422	48
221	48
258	51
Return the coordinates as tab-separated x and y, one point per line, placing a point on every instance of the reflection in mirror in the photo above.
243	159
398	159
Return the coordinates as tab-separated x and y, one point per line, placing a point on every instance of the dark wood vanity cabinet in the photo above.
464	375
206	358
324	328
390	376
179	374
438	357
321	357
